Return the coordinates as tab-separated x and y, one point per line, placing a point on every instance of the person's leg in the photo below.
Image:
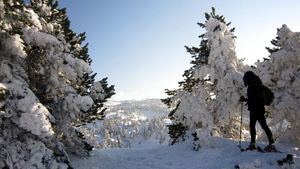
253	120
265	127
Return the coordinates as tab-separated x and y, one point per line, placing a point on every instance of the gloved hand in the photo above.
242	99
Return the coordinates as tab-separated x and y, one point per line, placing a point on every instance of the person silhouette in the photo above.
256	107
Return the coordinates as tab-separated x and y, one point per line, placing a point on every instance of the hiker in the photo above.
256	107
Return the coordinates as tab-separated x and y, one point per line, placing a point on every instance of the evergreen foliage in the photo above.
198	80
280	72
275	43
177	132
47	88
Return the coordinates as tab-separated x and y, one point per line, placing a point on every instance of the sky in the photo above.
139	44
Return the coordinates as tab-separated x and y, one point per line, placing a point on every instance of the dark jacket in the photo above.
254	93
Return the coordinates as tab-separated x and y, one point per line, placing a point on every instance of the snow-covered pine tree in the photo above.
47	86
207	99
225	72
199	56
281	72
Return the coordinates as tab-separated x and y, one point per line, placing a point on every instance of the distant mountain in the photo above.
150	107
130	124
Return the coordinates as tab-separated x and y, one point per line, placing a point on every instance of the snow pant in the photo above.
260	117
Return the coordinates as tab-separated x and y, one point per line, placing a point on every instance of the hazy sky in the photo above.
139	44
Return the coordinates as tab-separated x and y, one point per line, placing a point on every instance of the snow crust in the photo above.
34	18
225	155
15	46
35	37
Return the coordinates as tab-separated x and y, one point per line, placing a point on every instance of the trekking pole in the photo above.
241	126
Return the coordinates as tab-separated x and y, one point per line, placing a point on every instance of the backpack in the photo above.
268	95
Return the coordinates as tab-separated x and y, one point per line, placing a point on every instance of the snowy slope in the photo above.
225	155
130	124
147	153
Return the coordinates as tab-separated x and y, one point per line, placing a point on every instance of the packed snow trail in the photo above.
225	155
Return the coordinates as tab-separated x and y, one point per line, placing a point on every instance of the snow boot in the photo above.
251	147
270	148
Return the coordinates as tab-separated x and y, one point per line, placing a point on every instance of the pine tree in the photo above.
201	82
281	73
199	57
45	79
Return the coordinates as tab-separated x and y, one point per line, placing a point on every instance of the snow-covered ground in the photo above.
148	153
225	155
